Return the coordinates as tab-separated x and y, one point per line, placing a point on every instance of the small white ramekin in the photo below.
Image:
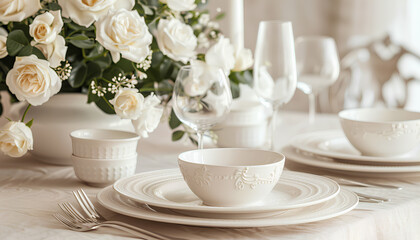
104	143
103	172
244	127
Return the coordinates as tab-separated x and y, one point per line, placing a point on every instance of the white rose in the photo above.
180	5
149	118
243	59
128	103
200	78
85	12
124	32
45	27
17	10
176	40
33	80
3	39
15	139
221	55
55	52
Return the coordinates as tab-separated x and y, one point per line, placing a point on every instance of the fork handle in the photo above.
134	230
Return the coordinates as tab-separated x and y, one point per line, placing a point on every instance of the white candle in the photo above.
236	22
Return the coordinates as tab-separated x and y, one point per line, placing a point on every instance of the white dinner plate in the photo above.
334	144
344	202
167	189
294	155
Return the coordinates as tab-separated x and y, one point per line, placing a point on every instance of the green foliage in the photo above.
237	78
29	124
92	63
174	122
78	75
81	41
177	135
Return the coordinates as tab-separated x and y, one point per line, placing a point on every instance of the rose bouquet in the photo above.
123	54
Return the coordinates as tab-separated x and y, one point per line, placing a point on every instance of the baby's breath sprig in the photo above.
96	89
112	86
64	71
146	62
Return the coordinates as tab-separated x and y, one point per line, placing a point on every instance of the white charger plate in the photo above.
167	189
344	202
334	144
310	159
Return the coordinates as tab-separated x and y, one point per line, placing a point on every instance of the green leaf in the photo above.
193	141
244	77
174	122
157	59
234	88
16	41
125	65
96	51
22	26
78	75
53	6
104	62
220	16
25	51
81	41
165	67
111	72
177	135
104	105
29	124
38	53
93	71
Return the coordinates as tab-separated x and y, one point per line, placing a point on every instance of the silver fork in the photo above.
79	221
95	217
85	227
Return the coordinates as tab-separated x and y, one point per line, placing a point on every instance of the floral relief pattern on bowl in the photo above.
241	177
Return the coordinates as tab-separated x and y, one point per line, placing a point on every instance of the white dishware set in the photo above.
372	142
228	187
100	157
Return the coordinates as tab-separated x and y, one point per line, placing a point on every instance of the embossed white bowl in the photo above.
104	143
103	172
231	176
381	132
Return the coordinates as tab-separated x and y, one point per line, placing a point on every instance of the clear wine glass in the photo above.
201	97
274	68
317	67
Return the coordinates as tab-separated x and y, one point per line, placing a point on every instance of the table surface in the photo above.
30	191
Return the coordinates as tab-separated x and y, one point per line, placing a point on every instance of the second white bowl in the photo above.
104	143
231	176
381	132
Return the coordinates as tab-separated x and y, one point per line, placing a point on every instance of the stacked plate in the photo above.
331	150
164	196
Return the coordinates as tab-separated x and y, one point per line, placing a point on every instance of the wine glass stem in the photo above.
272	129
312	107
200	139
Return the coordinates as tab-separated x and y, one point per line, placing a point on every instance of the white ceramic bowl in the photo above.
103	172
381	132
104	144
231	176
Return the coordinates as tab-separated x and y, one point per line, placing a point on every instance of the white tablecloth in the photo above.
30	191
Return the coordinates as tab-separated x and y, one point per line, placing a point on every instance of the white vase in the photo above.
62	114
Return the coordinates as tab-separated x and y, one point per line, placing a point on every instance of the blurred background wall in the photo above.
353	24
